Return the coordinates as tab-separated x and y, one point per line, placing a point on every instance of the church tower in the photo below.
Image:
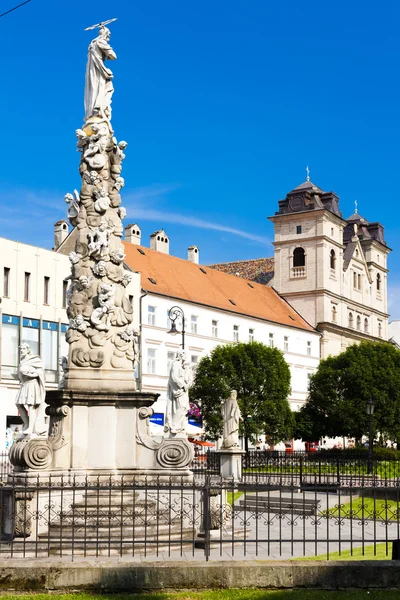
330	269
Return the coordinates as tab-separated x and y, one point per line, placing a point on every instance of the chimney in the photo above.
60	233
193	254
159	241
132	234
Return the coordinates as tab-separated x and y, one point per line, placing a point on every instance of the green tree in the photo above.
261	377
341	388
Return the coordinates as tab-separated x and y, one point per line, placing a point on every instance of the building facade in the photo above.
219	309
332	270
34	284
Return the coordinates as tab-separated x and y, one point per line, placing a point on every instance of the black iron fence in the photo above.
208	462
203	518
335	468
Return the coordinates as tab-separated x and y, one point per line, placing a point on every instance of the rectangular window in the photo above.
286	343
194	359
298	229
6	283
170	360
64	293
251	335
308	348
151	315
151	361
30	336
236	333
214	327
49	354
308	381
354	279
27	287
193	323
46	291
9	349
271	340
359	282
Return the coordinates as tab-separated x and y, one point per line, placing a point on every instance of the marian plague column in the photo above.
100	335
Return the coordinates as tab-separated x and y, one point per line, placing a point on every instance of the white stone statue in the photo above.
179	382
73	202
99	87
63	364
231	416
31	394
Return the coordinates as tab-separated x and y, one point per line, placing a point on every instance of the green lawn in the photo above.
232	497
378	509
378	552
225	595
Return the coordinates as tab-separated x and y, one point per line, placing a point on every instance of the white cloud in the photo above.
137	205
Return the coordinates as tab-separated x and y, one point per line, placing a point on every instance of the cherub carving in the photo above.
73	202
100	269
102	200
98	240
106	295
78	323
117	256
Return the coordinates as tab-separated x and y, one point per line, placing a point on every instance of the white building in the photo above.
219	309
332	270
33	301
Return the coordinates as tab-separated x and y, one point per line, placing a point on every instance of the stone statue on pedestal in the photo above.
99	87
31	395
101	349
179	382
231	416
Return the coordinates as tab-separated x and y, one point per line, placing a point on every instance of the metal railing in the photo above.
208	462
120	516
324	468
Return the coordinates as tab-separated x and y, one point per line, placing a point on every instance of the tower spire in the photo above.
308	173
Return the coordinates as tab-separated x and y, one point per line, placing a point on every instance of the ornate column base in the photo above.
231	462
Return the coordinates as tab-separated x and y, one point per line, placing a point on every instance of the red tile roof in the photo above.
184	280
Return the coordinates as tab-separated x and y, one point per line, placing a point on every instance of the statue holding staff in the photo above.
99	87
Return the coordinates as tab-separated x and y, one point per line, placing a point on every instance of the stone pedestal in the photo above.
231	462
98	433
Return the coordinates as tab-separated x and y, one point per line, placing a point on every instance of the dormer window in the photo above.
299	257
333	260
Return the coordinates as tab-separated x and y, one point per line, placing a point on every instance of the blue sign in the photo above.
49	325
194	423
30	323
64	327
157	419
9	319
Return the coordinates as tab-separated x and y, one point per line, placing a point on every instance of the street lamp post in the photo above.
370	412
175	313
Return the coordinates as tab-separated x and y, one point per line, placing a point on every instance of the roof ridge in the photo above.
234	262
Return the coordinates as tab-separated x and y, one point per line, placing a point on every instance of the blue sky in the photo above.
223	104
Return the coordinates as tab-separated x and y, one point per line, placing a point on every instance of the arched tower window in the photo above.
299	257
333	259
358	323
351	320
365	325
378	282
379	329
